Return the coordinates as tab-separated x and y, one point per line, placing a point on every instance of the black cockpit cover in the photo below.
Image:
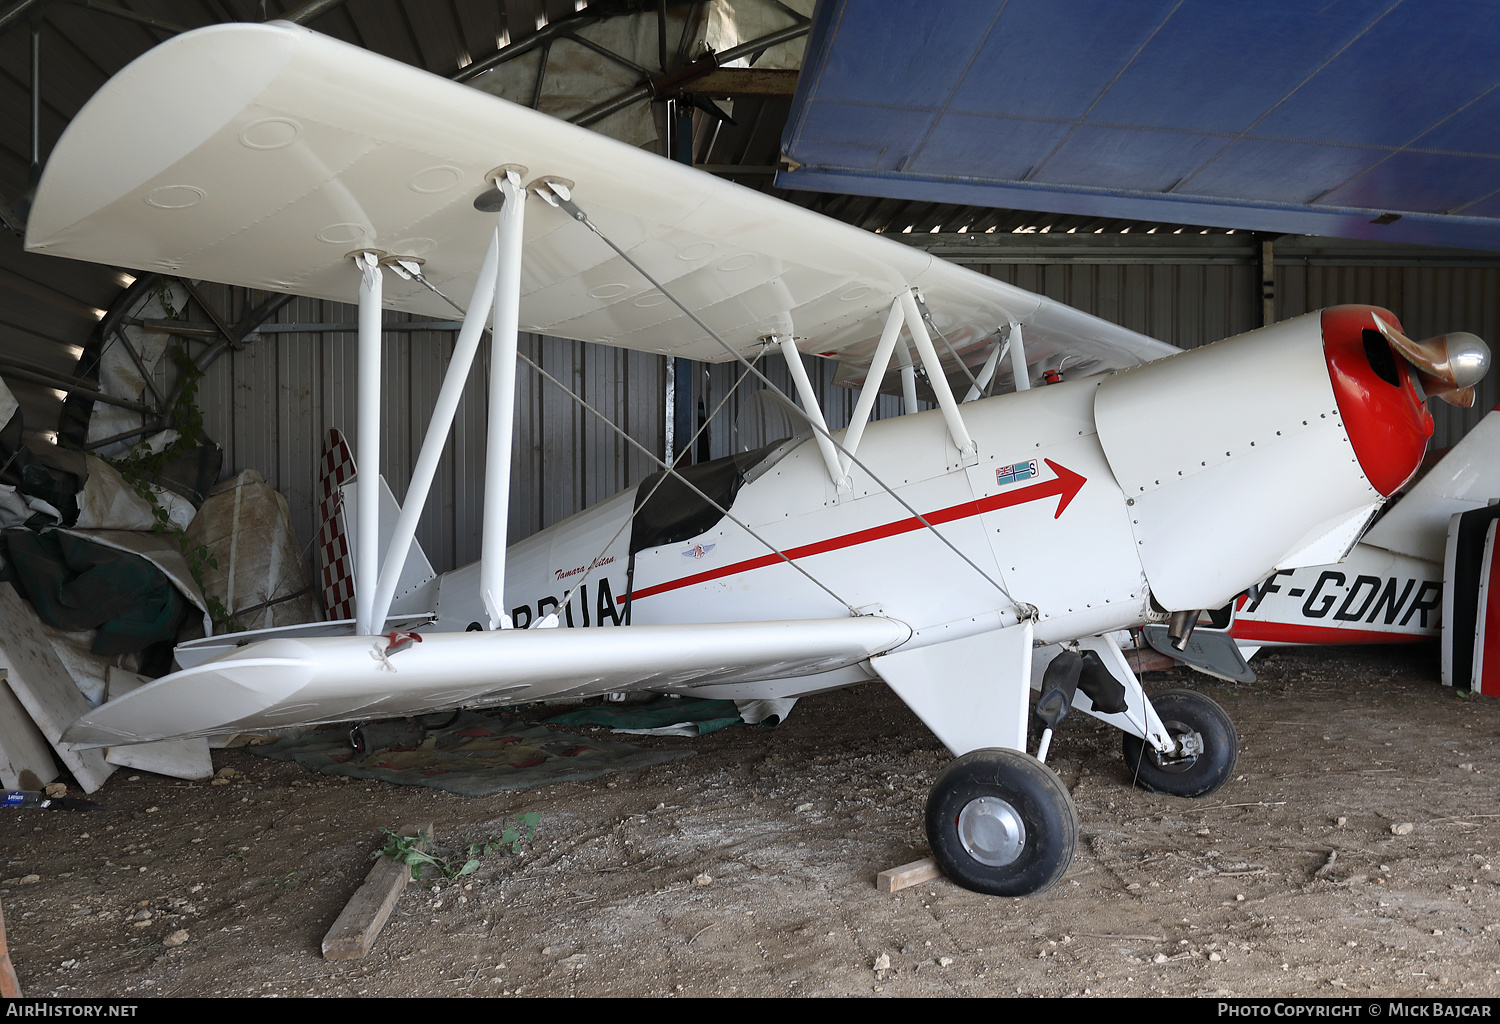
674	511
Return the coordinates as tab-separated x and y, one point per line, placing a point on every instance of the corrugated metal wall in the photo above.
1428	300
272	403
1186	305
1189	304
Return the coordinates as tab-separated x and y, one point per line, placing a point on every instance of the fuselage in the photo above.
1039	456
1094	505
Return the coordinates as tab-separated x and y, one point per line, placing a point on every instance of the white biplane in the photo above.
957	554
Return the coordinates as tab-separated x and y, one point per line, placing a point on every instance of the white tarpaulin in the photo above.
121	377
740	21
248	530
109	502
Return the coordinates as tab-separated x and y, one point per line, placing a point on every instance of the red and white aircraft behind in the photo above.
956	554
1390	587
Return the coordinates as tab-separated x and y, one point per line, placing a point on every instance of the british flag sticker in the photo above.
1015	473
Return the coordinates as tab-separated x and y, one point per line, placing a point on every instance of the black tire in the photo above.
438	720
1184	713
1001	823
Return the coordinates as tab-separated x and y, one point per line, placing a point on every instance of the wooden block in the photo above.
1147	660
10	988
359	925
915	873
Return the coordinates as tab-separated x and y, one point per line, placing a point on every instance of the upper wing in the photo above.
261	155
308	680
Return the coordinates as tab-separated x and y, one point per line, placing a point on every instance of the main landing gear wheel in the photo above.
1000	822
1205	736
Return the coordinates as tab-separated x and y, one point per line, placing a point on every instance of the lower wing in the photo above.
292	681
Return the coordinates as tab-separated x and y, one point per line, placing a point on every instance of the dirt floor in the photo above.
1351	855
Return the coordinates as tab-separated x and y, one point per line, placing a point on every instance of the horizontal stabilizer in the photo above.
316	680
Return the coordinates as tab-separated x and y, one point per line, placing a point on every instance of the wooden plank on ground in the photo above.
915	873
366	913
25	760
41	682
10	988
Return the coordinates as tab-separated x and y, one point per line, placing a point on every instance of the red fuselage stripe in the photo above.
963	510
1489	655
1293	633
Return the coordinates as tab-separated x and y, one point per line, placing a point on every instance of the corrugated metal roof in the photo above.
1358	120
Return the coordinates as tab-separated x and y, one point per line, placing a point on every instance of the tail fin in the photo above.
1466	478
335	557
336	542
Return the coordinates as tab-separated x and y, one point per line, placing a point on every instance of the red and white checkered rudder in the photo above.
336	560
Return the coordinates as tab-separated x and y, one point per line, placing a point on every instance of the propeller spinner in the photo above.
1448	365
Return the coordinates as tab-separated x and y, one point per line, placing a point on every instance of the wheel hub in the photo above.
991	831
1189	745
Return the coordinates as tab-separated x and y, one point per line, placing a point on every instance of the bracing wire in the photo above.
670	470
577	213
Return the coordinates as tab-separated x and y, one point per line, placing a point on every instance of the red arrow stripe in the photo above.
1065	485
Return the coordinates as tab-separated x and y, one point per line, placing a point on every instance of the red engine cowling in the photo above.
1386	418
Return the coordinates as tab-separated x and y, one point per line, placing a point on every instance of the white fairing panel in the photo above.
1331	541
586	554
1039	516
274	151
1093	580
1202	442
970	692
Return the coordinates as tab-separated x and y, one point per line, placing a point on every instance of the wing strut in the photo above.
1018	358
929	322
838	473
367	486
908	378
889	338
502	397
967	448
438	426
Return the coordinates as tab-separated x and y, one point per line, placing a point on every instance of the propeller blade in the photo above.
1449	363
1461	397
